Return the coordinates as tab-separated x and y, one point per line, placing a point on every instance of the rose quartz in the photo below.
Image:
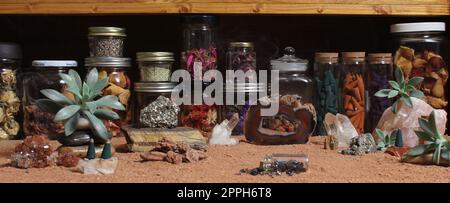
406	119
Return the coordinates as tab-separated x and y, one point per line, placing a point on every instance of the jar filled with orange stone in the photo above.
119	85
353	92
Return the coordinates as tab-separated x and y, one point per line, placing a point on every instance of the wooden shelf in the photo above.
314	7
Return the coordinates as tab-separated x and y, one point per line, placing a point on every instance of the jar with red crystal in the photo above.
198	114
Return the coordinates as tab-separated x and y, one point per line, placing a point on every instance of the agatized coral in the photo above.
33	152
172	152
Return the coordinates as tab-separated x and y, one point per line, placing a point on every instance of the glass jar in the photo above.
119	85
379	72
241	56
106	41
354	95
241	96
43	75
146	93
326	68
296	117
199	48
10	58
155	66
199	115
421	49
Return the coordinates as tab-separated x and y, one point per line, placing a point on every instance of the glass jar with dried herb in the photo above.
198	114
153	107
241	56
379	72
10	61
106	41
354	94
421	49
155	66
119	85
238	99
296	118
199	48
43	75
326	71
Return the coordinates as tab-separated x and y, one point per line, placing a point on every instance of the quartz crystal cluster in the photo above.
161	113
33	152
221	134
341	127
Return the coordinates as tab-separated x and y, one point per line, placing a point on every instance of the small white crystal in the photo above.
340	126
98	166
221	134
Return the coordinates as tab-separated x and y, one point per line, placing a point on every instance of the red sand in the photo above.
224	163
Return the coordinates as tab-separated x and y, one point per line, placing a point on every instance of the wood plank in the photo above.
319	7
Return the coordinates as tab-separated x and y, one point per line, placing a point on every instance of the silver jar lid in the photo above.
289	62
159	87
107	62
54	63
241	44
246	87
155	56
106	31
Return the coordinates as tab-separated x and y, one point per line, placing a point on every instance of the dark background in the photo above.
65	37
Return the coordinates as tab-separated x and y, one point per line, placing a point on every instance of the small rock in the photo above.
154	156
67	160
98	166
361	145
78	138
174	158
33	152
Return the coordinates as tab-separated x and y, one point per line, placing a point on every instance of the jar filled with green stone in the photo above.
326	68
155	66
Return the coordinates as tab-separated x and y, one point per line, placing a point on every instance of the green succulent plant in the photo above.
84	103
434	142
389	140
404	89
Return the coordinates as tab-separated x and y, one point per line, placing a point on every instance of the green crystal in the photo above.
91	150
106	153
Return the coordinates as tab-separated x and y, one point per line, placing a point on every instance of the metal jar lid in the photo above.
241	44
54	63
246	87
106	31
418	27
107	62
10	50
155	56
158	87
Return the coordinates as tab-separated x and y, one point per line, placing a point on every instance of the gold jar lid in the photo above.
106	31
107	62
155	56
160	87
241	44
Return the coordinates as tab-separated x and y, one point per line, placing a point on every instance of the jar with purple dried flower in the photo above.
378	75
199	49
241	56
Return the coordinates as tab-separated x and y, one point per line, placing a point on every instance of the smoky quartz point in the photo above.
161	113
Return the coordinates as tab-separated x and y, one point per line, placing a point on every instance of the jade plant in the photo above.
389	140
402	89
82	104
435	142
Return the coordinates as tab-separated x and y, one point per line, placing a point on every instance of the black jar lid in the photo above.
9	50
157	87
199	19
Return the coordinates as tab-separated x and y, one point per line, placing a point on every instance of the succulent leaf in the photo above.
97	125
110	101
99	86
382	93
399	75
394	85
106	114
56	96
423	136
418	150
76	77
415	81
416	93
48	105
91	78
407	100
71	124
392	93
66	112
